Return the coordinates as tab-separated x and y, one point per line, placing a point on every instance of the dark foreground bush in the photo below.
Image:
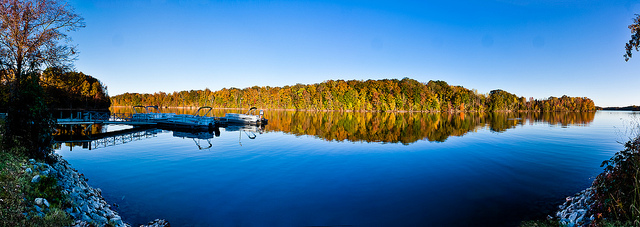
617	189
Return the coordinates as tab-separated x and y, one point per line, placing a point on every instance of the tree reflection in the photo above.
408	128
384	127
82	132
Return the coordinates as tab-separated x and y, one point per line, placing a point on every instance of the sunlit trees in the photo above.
354	95
32	34
500	100
71	90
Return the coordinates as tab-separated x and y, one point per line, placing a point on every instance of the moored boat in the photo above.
149	115
248	118
199	120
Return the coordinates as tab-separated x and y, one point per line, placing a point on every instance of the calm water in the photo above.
354	169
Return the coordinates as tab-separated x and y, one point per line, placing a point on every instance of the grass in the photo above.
541	223
616	224
12	203
18	194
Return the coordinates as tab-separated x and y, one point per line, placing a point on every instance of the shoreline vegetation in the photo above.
385	95
356	111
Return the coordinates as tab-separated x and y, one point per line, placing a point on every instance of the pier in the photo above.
94	117
198	121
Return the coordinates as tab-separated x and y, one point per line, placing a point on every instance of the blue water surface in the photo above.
484	178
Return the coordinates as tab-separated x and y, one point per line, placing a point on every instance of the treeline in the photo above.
66	90
74	90
371	95
627	108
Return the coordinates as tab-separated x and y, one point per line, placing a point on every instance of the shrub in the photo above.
617	189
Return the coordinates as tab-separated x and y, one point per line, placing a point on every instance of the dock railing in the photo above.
95	117
121	117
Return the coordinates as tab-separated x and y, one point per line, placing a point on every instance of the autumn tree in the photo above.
634	42
32	36
71	89
356	95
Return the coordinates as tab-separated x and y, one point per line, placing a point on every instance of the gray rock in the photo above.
85	218
109	213
41	202
157	223
573	211
95	217
35	179
116	219
97	206
85	208
580	219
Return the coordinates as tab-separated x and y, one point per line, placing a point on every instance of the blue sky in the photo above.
529	48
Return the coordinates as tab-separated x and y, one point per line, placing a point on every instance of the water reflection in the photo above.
408	128
380	127
198	138
96	136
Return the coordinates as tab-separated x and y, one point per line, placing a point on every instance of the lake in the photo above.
352	169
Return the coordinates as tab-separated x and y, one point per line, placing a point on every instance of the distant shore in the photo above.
626	108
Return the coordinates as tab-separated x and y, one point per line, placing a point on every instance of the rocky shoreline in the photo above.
574	211
88	206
